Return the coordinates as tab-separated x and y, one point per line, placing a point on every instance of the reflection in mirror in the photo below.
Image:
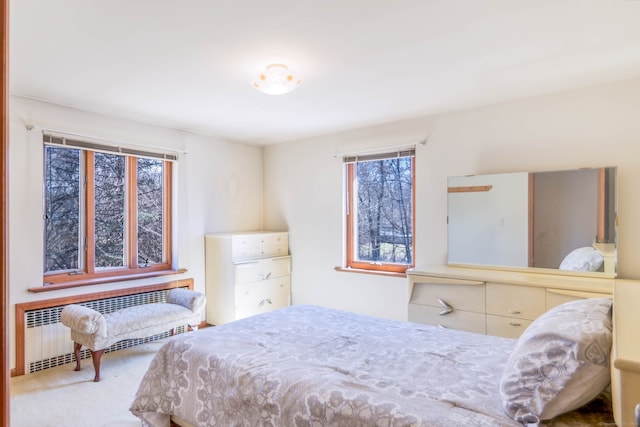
551	220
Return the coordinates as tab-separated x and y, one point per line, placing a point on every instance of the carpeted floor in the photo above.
62	397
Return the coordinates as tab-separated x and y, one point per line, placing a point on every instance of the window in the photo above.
106	211
380	211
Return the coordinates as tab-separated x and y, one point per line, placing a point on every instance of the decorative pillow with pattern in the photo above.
560	362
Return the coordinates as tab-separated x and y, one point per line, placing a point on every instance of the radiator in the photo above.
47	342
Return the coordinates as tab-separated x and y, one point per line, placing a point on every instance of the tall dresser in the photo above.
246	274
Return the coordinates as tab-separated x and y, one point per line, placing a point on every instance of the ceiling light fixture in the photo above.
276	79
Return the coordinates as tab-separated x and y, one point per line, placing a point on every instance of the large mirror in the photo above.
559	220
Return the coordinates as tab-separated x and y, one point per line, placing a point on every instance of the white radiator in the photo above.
48	342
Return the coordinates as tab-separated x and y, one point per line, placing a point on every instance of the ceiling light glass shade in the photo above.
276	79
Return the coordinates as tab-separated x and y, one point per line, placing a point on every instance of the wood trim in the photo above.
89	215
349	214
65	280
376	272
531	220
4	222
125	275
469	189
74	299
602	205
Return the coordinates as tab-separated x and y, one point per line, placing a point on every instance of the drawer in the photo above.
467	296
274	250
509	327
522	302
263	269
457	319
555	297
251	246
262	297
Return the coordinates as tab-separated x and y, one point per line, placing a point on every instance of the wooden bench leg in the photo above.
96	356
76	352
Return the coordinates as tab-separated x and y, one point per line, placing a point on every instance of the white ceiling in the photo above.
187	64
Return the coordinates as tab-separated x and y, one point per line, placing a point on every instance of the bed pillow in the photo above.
583	259
560	362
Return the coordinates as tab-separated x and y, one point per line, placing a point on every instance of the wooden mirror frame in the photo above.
4	291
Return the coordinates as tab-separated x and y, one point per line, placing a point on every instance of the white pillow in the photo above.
583	259
560	362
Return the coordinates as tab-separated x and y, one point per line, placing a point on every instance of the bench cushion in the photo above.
145	316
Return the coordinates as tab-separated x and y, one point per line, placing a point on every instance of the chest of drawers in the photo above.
492	302
246	274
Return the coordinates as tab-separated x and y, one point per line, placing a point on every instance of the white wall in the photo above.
219	188
596	126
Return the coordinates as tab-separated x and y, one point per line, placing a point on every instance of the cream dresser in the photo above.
246	274
493	302
500	302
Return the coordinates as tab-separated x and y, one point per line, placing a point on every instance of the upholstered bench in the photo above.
98	331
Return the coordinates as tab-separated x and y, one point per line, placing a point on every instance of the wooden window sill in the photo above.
97	281
375	272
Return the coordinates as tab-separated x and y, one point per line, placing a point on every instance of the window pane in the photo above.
384	211
62	209
110	211
150	211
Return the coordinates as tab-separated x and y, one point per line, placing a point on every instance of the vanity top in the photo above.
559	279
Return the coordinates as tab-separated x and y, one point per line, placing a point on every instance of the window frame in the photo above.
351	263
87	274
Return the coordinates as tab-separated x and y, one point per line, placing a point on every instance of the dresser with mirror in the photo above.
520	244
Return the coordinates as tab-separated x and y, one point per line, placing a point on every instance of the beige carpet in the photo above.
62	397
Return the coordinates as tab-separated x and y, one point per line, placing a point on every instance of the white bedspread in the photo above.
312	366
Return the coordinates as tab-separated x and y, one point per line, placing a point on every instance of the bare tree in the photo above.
65	208
385	210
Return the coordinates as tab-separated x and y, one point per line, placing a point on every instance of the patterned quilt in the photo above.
313	366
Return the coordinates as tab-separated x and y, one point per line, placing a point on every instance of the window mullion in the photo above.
132	213
350	213
89	219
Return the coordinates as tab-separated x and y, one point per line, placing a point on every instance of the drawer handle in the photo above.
441	326
515	324
264	276
265	300
514	311
447	308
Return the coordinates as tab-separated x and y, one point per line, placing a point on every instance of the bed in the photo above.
312	366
